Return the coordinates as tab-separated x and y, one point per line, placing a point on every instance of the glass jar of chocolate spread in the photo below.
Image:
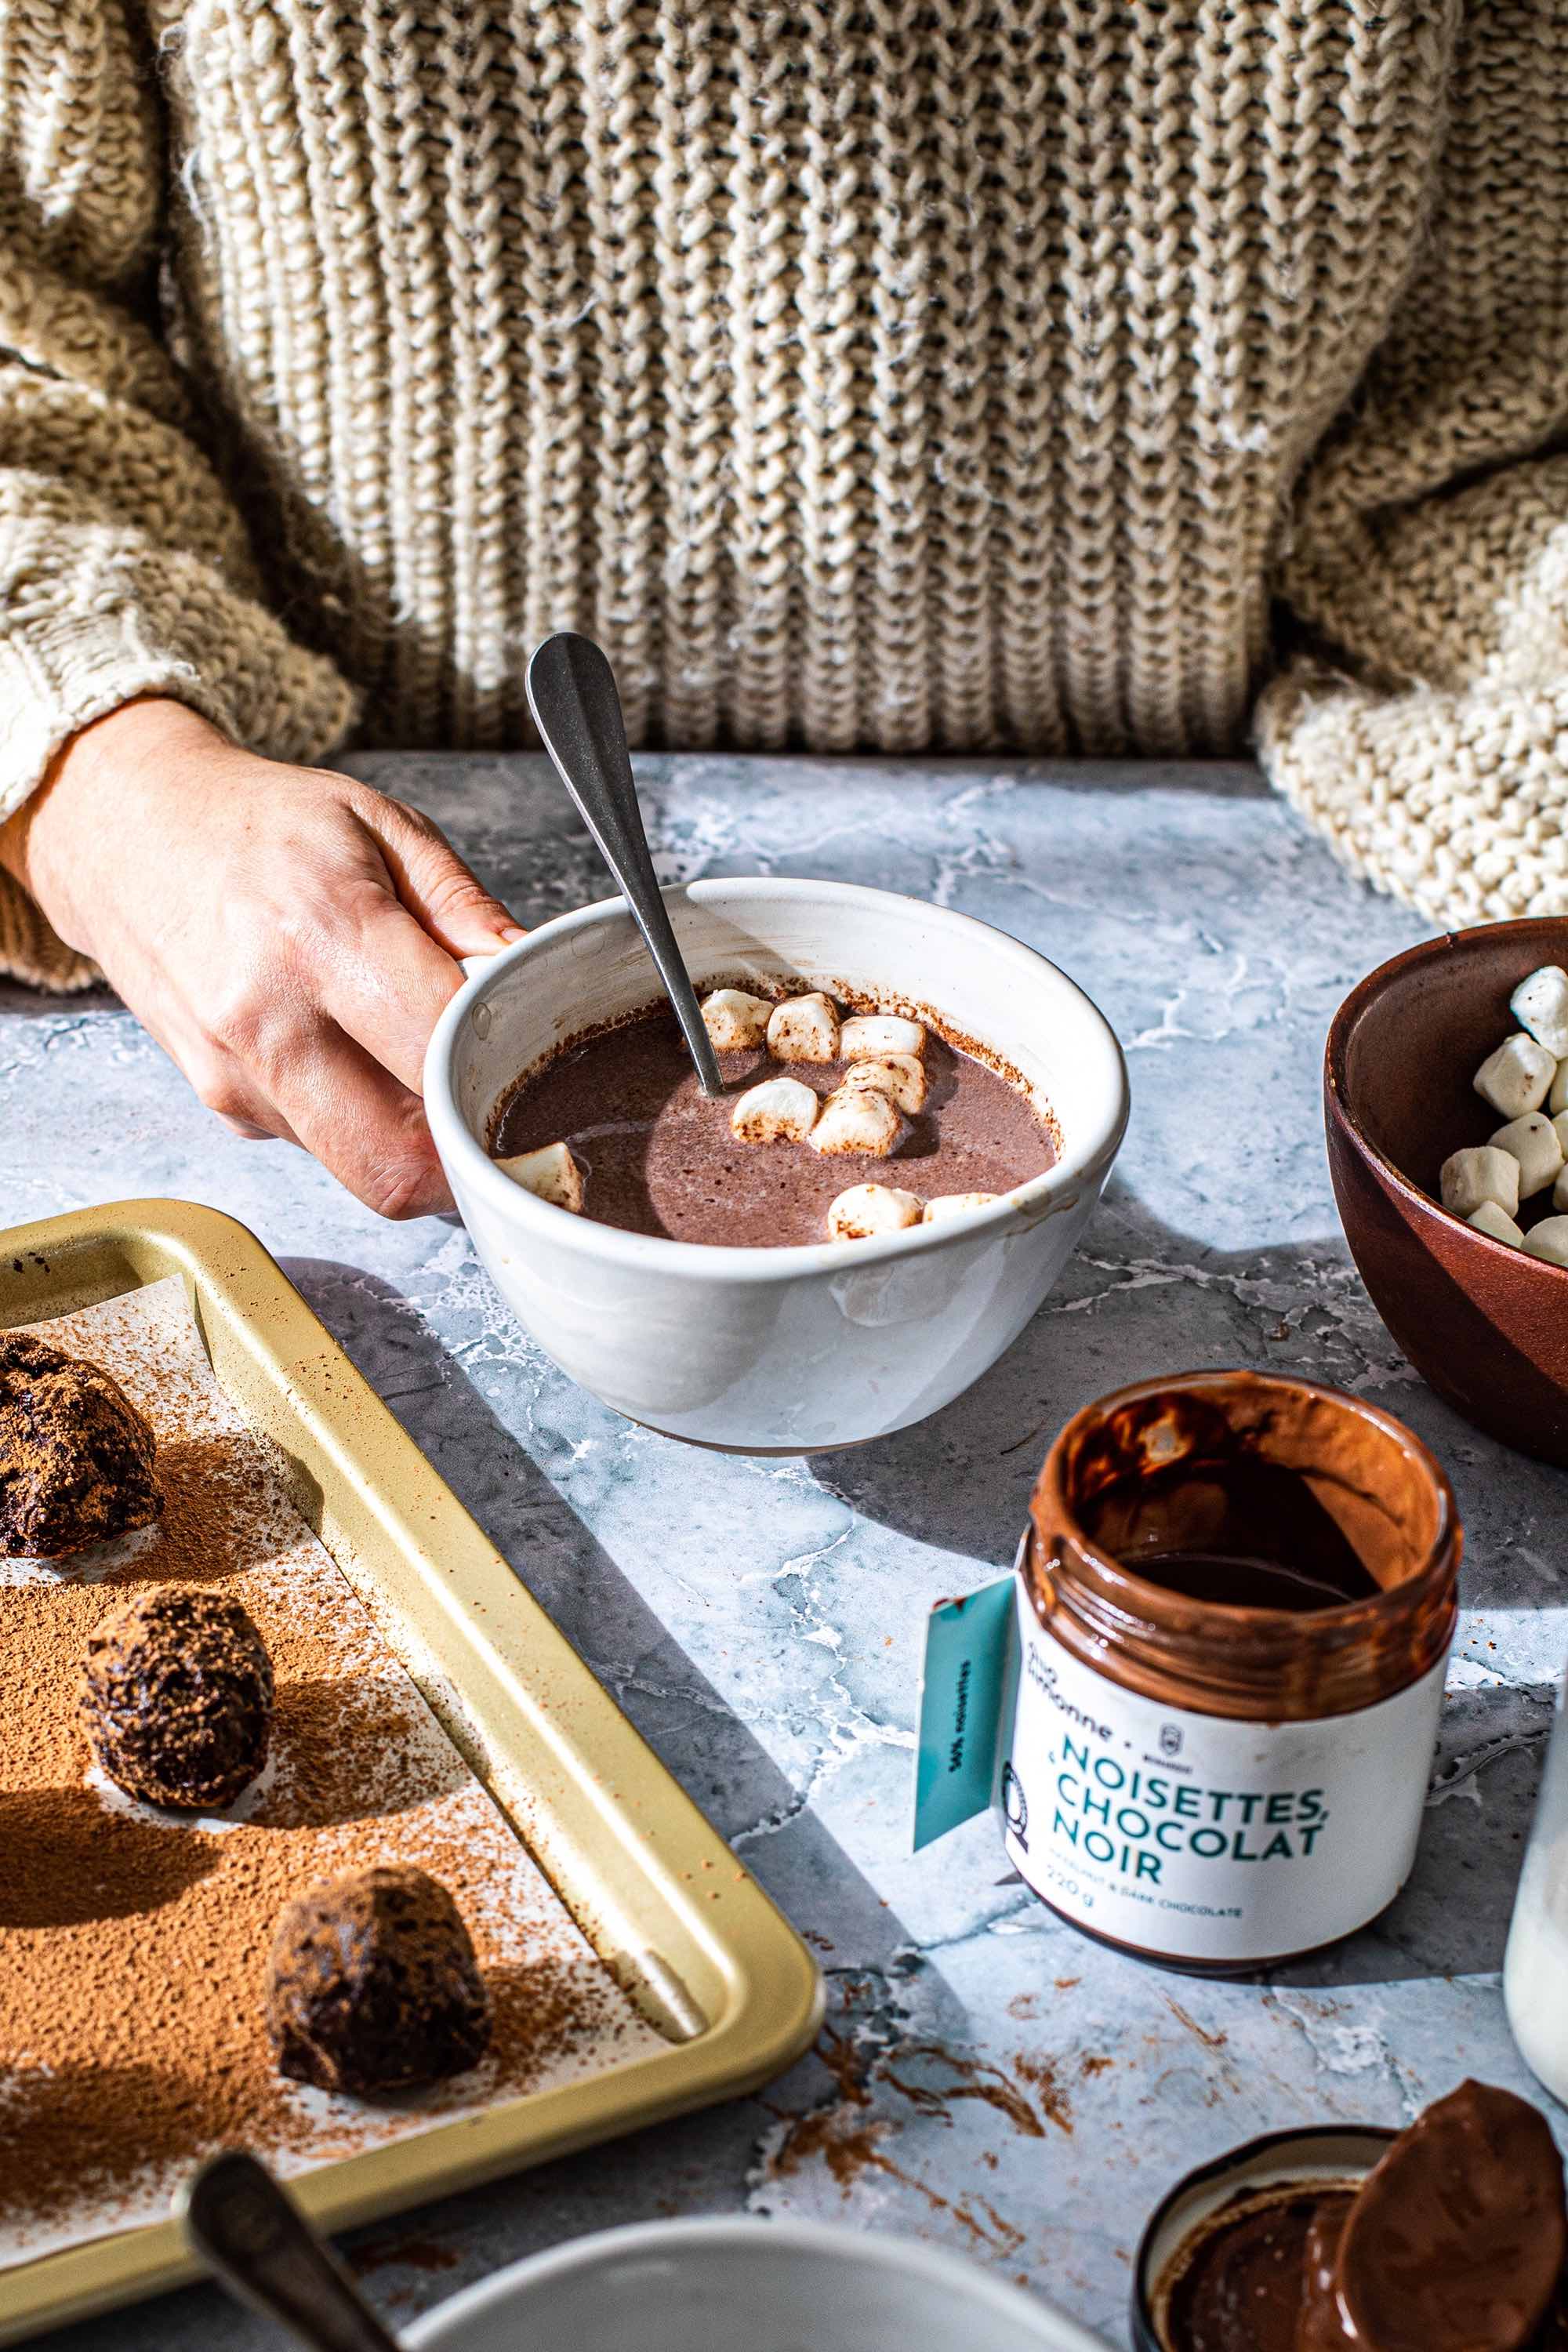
1236	1602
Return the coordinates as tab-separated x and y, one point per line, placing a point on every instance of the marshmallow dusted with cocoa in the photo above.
901	1077
780	1110
549	1174
948	1207
734	1021
804	1029
865	1037
858	1120
867	1210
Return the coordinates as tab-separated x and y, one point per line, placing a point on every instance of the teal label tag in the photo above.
968	1672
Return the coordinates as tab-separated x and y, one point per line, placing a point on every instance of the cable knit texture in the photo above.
902	374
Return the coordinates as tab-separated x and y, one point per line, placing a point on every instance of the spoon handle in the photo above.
255	2237
572	694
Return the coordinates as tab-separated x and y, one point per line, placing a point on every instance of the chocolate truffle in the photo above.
372	1984
76	1456
177	1698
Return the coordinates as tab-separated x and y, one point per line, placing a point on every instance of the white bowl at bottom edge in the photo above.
777	1350
745	2285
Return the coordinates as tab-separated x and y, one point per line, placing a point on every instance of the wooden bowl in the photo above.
1484	1324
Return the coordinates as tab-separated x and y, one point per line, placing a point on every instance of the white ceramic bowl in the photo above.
767	2286
777	1350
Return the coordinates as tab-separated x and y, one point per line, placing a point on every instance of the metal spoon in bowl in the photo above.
250	2231
572	694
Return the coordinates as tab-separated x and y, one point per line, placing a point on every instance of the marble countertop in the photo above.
986	2078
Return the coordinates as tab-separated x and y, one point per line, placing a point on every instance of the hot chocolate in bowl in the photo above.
792	1348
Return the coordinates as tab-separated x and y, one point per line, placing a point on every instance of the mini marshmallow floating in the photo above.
1535	1143
804	1029
867	1210
901	1077
1480	1172
1547	1240
1489	1219
549	1174
858	1120
948	1206
1541	1005
1518	1077
867	1036
736	1021
781	1110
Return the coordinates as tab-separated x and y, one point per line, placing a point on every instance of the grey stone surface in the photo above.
987	2078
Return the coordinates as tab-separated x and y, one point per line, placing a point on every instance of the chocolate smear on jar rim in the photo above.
1247	1544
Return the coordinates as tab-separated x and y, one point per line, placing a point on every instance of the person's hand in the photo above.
289	936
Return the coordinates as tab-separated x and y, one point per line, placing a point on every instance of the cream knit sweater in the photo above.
891	373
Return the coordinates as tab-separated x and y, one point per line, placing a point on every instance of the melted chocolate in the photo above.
1243	2288
659	1157
1454	2242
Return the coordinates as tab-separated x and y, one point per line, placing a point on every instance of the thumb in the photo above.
444	897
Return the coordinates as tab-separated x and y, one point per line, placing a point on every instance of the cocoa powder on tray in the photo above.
132	1947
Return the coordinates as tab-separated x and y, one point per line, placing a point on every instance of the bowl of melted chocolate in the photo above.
1449	2236
918	1118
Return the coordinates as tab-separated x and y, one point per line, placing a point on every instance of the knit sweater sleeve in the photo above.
124	565
1422	723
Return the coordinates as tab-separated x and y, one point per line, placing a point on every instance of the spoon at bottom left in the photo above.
248	2229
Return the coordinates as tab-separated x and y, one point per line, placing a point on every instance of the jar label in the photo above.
1199	1837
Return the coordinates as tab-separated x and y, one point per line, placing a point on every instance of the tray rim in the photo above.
772	1991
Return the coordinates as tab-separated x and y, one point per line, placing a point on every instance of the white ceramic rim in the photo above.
1085	1160
1028	2312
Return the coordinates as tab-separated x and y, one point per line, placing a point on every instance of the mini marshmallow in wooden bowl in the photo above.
1444	1085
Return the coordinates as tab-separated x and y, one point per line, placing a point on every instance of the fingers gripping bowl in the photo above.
792	1348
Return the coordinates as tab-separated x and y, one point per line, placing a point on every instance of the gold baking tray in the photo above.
683	1927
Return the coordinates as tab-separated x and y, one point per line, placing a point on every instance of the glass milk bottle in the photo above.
1535	1968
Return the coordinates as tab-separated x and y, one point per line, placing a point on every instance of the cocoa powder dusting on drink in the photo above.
134	1947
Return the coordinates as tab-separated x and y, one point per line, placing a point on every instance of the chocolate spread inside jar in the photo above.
1236	1602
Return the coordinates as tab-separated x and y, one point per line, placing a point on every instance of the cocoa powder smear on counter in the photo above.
134	1947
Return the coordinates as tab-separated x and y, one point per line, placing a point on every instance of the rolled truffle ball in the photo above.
177	1698
76	1456
372	1984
